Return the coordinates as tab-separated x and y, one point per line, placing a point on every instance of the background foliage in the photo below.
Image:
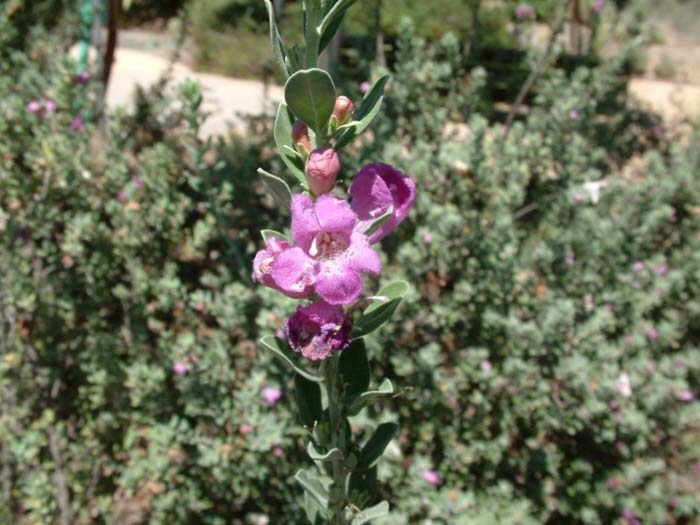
127	251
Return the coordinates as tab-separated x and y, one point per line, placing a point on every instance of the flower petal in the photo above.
338	284
293	273
335	215
377	187
304	222
360	256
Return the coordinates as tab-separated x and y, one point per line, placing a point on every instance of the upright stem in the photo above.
339	496
313	38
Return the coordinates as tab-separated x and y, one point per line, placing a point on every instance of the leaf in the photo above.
385	389
337	11
380	311
278	188
378	511
308	397
290	358
283	139
267	234
329	32
331	455
310	94
276	40
374	448
354	370
313	486
362	486
378	223
314	512
368	111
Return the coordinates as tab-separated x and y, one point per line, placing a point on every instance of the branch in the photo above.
539	68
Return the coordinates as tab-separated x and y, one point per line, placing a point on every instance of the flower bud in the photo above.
300	138
343	109
321	170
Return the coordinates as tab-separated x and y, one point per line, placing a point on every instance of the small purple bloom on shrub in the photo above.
82	77
35	107
685	396
653	334
432	477
662	270
573	114
138	182
427	239
271	395
638	267
486	366
180	368
365	87
77	124
319	329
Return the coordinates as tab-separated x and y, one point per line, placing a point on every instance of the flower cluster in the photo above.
331	243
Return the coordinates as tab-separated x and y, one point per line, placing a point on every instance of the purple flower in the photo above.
598	6
82	77
427	239
573	114
180	368
35	107
486	366
653	334
278	452
614	405
318	329
631	517
77	124
138	182
121	196
271	395
685	396
330	254
264	263
365	87
376	188
638	267
431	477
662	270
570	260
525	11
50	105
321	170
246	429
578	197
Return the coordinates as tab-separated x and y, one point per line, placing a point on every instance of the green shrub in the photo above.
127	253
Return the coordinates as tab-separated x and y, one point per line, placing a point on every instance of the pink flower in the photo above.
180	368
653	334
318	329
573	114
638	267
77	124
271	395
365	87
263	263
427	239
330	254
598	6
138	182
278	452
431	477
82	77
376	188
246	429
614	405
50	105
685	396
35	107
570	260
300	137
486	366
578	197
121	196
662	270
321	170
525	11
343	109
630	517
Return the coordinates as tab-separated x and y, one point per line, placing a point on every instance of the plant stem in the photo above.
339	497
313	38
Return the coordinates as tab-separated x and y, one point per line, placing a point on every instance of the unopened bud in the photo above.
321	170
300	137
343	109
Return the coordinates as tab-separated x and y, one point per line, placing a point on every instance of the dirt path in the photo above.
226	99
674	101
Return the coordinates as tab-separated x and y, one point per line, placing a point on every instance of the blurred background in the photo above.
547	357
